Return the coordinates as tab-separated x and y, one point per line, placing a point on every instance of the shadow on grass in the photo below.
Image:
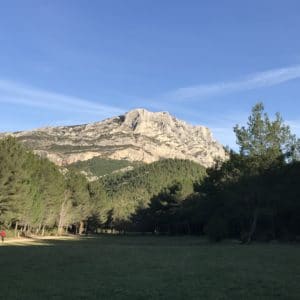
147	267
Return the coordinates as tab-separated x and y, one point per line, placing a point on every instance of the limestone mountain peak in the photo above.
138	135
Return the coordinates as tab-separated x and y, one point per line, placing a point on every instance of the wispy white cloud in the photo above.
254	81
16	93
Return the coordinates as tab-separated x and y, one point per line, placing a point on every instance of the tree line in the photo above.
254	194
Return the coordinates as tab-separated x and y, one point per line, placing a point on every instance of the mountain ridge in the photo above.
138	135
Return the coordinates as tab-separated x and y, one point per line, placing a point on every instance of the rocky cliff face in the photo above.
139	135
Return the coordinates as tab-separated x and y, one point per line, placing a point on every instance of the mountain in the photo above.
138	135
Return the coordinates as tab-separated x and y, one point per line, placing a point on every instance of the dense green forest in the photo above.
133	190
99	166
35	194
255	194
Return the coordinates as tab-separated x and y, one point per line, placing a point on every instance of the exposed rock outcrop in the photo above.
139	135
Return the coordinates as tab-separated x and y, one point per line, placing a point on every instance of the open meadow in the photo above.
146	267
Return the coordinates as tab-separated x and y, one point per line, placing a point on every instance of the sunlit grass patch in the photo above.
36	240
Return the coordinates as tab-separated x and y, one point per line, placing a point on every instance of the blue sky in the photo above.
207	62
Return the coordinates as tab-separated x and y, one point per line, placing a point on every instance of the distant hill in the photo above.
127	191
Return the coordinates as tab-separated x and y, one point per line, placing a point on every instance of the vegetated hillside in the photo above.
98	167
132	190
139	135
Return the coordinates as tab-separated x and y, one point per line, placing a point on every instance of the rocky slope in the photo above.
139	135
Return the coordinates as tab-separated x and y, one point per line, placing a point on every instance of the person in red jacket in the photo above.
3	235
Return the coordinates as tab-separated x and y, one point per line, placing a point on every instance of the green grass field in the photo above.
145	267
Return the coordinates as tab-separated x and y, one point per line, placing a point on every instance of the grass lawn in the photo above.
146	267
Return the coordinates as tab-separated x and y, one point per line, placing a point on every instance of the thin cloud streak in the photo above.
15	93
251	82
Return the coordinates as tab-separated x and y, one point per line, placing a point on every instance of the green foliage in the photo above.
254	191
79	195
266	140
98	166
35	194
132	190
160	214
29	185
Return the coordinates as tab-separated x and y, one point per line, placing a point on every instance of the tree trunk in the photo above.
253	226
189	228
16	228
63	215
81	227
38	229
29	230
